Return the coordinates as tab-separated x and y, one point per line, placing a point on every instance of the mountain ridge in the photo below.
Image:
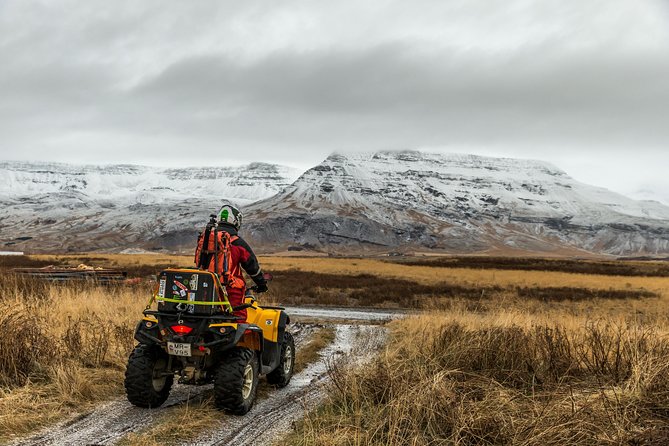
52	207
351	202
458	202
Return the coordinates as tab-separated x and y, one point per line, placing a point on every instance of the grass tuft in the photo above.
63	348
177	424
310	351
25	347
449	380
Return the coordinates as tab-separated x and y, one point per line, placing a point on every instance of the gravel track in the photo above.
268	420
273	416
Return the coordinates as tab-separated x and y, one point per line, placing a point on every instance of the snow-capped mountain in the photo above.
142	184
61	207
384	201
464	203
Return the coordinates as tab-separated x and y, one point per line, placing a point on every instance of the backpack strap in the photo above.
202	252
203	256
230	278
216	241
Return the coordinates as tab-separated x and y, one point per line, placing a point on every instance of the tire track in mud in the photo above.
108	422
269	418
273	416
111	421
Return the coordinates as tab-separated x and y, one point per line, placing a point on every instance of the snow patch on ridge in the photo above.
371	200
463	202
69	207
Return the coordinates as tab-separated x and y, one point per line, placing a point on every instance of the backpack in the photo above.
213	253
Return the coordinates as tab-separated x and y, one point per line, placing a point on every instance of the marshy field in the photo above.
496	351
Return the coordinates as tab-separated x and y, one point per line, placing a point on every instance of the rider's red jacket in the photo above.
241	258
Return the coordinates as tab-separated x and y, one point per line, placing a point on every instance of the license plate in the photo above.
178	349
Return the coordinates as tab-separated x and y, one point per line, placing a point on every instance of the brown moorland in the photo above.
581	266
500	356
523	369
502	377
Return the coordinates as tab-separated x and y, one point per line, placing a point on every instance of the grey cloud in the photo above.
444	97
141	81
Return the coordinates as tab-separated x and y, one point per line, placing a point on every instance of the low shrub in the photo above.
599	267
26	348
305	287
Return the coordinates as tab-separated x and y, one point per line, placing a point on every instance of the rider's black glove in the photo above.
261	282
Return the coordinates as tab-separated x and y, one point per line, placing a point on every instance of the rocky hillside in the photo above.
61	207
459	203
365	202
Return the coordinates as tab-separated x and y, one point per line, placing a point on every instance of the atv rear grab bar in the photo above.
219	317
157	298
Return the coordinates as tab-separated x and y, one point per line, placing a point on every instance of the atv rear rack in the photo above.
221	292
218	317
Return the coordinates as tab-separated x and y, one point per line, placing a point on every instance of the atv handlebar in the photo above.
242	307
268	278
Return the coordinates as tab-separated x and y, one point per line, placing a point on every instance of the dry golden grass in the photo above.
63	349
504	370
466	276
65	390
475	370
500	379
645	268
151	264
310	351
177	424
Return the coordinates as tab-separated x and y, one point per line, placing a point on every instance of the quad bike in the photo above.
194	336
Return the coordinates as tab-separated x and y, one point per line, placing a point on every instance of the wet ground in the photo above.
357	337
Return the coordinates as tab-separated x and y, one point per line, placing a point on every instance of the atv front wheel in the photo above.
146	382
280	376
236	382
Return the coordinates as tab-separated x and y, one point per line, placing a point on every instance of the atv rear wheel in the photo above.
146	381
280	376
236	382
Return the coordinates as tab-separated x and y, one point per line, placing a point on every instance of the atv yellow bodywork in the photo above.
267	319
193	334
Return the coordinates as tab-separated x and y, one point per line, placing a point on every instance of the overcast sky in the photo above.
581	83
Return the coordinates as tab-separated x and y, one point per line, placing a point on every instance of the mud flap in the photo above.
271	356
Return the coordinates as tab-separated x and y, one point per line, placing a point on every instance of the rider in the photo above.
241	254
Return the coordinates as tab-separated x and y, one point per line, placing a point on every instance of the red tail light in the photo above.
181	329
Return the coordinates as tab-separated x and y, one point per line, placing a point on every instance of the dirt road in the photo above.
271	416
